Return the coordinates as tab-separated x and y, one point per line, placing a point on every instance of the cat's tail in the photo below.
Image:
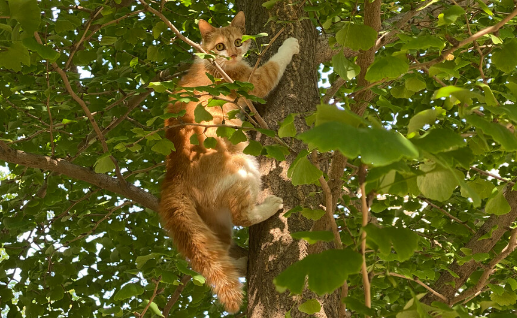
198	243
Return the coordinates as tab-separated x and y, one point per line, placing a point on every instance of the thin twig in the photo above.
492	175
111	22
25	112
155	292
99	222
416	280
76	46
510	247
87	196
144	170
176	295
264	52
52	145
332	90
447	213
87	112
474	37
364	270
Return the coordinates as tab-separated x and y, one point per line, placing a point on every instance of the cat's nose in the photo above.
234	56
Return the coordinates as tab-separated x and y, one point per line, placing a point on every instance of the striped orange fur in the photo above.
208	191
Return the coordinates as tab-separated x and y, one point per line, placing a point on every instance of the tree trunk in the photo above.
271	247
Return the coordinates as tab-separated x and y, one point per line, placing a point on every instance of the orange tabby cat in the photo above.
208	191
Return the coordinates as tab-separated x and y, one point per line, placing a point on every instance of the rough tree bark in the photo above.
271	247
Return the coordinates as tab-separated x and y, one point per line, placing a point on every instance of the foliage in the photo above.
437	139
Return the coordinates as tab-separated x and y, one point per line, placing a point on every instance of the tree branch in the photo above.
512	243
416	280
176	295
83	105
365	213
102	181
452	217
155	292
490	29
447	285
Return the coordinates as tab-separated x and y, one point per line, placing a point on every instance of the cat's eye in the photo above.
219	46
238	42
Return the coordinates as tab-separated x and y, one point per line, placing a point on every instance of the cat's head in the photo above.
226	42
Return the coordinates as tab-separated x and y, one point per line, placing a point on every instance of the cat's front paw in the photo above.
292	45
273	202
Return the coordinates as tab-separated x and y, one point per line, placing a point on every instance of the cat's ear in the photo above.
239	21
205	28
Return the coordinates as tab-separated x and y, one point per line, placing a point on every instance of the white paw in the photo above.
273	202
292	45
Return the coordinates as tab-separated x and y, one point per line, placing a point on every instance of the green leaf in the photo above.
500	133
424	42
313	236
104	164
415	84
215	102
490	99
484	7
45	52
439	139
27	12
437	183
201	114
276	151
134	62
158	29
15	55
498	204
63	26
504	59
154	308
329	113
269	4
488	234
462	95
302	171
327	271
210	142
154	54
356	36
113	311
198	279
141	260
450	15
128	291
225	132
507	109
425	117
359	307
287	128
310	307
404	241
164	147
389	67
505	299
483	188
256	36
108	40
312	214
254	148
375	146
344	68
238	137
56	293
